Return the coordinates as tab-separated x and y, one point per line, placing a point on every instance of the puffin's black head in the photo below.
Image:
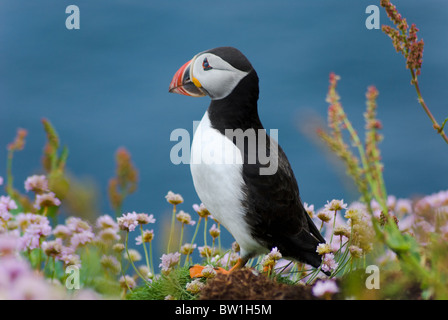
215	72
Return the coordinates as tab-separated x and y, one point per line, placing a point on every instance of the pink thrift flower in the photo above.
62	231
324	215
32	287
309	209
107	235
169	261
391	202
4	214
174	198
403	206
105	222
335	205
11	269
328	263
81	238
144	218
29	241
201	210
52	248
46	200
69	257
188	248
7	204
38	184
77	225
148	235
128	221
324	287
185	218
37	227
33	233
25	219
8	244
127	282
214	231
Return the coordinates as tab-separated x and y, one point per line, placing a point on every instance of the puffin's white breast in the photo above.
216	167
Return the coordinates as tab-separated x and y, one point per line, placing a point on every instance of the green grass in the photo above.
172	284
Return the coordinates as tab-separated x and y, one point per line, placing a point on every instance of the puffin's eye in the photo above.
205	65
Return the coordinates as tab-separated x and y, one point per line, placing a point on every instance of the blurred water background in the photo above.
106	86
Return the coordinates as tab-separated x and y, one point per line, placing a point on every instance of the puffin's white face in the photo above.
214	75
206	74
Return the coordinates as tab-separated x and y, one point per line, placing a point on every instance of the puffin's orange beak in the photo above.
183	83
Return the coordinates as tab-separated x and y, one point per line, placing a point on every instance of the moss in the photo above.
172	284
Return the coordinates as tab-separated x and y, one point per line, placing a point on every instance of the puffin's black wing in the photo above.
272	203
274	209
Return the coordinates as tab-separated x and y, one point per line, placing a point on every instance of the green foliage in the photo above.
405	41
172	285
366	170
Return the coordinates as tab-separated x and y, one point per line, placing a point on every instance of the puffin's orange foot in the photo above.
196	271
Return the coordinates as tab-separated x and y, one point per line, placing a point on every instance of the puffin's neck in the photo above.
239	109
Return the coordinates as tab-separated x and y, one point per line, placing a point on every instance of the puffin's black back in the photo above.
272	203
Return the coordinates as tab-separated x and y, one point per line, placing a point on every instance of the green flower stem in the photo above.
9	184
377	168
299	271
342	246
150	258
334	224
422	102
196	231
192	240
46	263
205	232
54	269
269	272
213	244
343	266
180	243
39	257
181	236
443	125
173	217
129	257
144	249
314	275
372	183
282	269
205	239
124	278
342	261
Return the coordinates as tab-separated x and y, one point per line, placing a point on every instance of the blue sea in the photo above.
106	85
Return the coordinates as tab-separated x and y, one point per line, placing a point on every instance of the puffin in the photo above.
257	201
